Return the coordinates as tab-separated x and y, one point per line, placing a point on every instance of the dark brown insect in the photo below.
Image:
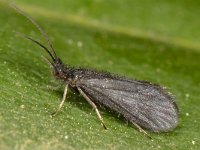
145	105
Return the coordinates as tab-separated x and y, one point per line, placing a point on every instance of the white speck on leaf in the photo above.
66	137
79	44
70	41
193	142
22	106
187	95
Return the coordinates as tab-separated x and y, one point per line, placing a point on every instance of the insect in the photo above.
147	106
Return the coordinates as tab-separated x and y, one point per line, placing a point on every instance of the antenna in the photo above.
38	43
39	28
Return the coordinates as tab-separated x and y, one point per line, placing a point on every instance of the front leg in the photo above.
62	102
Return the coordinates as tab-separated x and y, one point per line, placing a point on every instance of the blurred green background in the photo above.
157	41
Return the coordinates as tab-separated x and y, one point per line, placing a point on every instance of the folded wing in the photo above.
145	104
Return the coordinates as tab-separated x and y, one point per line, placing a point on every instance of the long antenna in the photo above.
38	27
38	43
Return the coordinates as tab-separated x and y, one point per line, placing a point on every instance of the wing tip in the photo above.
170	123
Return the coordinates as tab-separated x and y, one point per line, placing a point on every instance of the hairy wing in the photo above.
140	102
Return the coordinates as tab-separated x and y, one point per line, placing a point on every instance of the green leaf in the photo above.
145	40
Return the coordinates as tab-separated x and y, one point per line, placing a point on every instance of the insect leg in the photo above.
141	130
94	106
62	102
